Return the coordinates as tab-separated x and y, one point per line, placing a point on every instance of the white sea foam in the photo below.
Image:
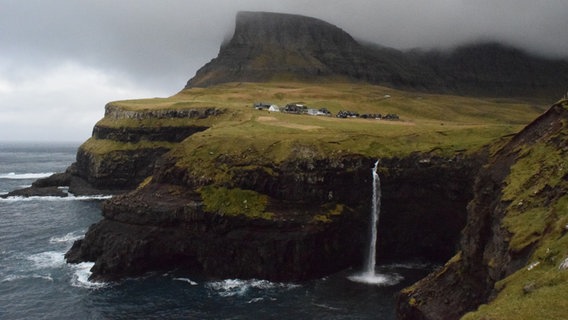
25	176
238	287
51	198
48	259
193	283
255	300
70	237
14	277
81	274
377	279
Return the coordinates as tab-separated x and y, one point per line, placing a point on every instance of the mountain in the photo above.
274	46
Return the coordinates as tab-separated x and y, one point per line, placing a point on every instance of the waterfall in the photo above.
368	275
375	213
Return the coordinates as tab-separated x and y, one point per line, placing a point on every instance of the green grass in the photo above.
537	220
539	293
442	124
235	202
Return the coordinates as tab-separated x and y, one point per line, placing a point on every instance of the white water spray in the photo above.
368	274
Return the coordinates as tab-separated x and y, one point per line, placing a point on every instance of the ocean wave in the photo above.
52	198
191	282
48	259
238	287
81	274
70	237
13	277
25	176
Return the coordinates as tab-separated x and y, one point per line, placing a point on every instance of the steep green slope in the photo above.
514	249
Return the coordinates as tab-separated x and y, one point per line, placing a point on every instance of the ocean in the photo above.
36	283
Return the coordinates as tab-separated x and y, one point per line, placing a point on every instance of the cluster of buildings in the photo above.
298	108
295	108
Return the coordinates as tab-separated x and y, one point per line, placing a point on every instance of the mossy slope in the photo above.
515	245
536	220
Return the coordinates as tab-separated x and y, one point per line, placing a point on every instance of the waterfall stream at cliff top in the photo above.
368	275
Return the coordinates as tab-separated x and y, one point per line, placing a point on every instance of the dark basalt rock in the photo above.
137	134
164	225
152	230
61	185
45	187
37	192
121	169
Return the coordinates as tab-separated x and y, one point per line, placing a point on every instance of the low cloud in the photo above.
139	48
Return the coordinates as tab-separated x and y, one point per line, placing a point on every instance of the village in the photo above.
300	108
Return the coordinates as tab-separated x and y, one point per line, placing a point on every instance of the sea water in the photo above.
36	283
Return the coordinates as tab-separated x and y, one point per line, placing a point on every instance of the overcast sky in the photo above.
62	60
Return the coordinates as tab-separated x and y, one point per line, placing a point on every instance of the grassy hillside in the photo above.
428	122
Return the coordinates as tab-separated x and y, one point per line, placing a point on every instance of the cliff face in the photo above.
513	249
126	144
313	221
272	46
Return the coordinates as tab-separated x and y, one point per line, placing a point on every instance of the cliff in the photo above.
299	219
275	47
513	252
282	196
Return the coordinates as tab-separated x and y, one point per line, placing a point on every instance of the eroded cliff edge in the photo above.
514	249
304	217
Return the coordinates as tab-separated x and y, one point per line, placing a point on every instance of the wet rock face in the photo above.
164	225
424	203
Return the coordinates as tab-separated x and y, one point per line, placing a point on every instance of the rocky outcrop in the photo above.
316	223
273	46
123	150
515	217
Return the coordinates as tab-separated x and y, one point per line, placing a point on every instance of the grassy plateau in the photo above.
428	122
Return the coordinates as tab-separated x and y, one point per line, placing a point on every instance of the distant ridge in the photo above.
274	46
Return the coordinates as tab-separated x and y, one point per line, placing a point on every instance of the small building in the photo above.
297	108
274	108
312	112
261	106
318	112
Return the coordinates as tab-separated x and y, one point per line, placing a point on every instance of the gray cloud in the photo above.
154	47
